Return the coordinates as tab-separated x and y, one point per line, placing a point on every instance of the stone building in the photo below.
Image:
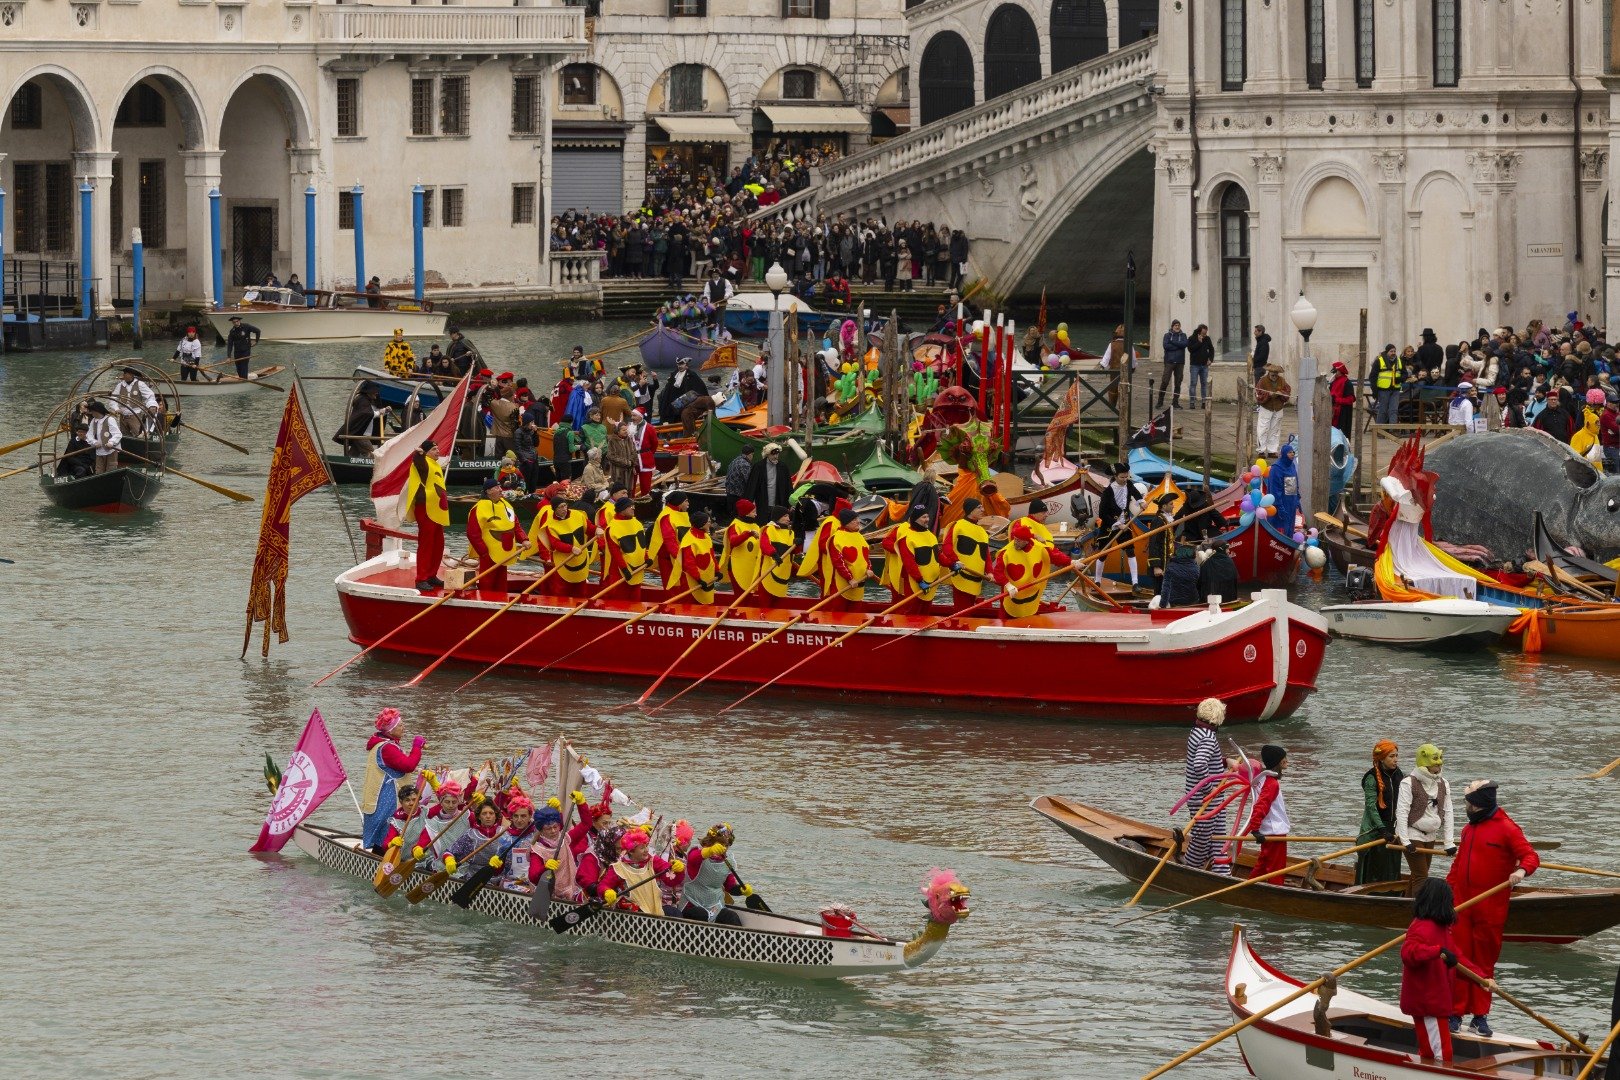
263	101
706	82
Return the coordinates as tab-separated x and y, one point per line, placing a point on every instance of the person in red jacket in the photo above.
1428	957
1492	850
1344	398
1270	815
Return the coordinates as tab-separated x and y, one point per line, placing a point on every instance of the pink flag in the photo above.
313	772
393	460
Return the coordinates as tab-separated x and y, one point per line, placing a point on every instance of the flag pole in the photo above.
353	796
337	496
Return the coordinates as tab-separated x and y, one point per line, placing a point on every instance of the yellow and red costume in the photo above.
496	537
965	549
699	569
570	535
665	548
743	561
427	502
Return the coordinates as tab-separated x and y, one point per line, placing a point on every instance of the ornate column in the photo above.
96	166
202	175
1270	297
1172	278
1392	279
304	163
1594	173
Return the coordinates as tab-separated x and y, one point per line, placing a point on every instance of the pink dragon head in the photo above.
946	897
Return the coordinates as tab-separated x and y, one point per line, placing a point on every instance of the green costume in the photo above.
1377	815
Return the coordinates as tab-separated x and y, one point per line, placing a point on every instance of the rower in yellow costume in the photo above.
605	513
540	534
851	562
814	565
1021	569
668	531
427	502
912	558
494	533
570	534
777	547
965	549
624	546
1035	520
700	569
742	561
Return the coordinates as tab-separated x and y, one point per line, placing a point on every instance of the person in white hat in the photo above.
1461	412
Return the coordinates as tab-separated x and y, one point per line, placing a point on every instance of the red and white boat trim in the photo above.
1261	659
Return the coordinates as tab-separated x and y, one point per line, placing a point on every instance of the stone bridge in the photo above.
1052	182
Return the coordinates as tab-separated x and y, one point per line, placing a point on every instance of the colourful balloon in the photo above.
1299	537
1267	500
1247	505
1247	518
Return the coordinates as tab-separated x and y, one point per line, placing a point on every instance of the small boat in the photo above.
725	442
399	393
1345	540
458	471
1363	1037
335	316
748	314
664	345
1446	623
227	384
764	942
1150	468
115	491
1263	555
1082	665
156	448
1535	912
880	474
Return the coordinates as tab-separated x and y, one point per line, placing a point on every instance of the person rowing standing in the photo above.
1268	822
1492	850
189	353
239	344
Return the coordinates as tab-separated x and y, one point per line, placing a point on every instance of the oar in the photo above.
532	638
986	602
1601	773
617	629
4	450
211	435
1345	527
210	485
463	896
502	610
52	461
1578	870
1597	1055
1559	578
1169	852
1527	1010
752	900
1308	988
449	595
823	602
833	644
579	916
1290	868
702	637
422	890
406	866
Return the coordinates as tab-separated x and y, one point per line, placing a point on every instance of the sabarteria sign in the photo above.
1537	251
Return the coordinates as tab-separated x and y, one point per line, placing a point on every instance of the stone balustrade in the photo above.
359	29
576	271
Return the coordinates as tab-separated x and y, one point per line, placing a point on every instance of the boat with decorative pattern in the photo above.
764	941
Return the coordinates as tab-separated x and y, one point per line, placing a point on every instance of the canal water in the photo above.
143	940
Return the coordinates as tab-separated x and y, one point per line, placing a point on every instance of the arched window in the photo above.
1137	19
944	78
1234	45
1012	51
1234	267
1079	32
1447	42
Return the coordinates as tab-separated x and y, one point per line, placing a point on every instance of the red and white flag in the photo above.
393	462
312	773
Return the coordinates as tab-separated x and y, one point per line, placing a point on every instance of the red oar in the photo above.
570	613
449	595
738	656
834	643
707	630
502	610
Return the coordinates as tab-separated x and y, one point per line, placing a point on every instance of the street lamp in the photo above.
776	280
1303	317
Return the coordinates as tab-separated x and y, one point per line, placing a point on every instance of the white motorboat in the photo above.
1448	622
335	316
1359	1036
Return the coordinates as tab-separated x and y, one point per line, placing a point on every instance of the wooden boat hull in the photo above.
665	345
458	472
1263	555
1588	631
1535	913
1426	624
227	384
724	443
1261	660
766	943
333	324
396	392
115	491
1367	1039
159	449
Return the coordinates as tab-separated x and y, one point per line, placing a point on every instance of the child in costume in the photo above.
1270	814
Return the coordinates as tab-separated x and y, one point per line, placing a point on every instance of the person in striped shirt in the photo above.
1205	763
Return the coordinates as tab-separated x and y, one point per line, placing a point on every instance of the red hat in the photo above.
1022	531
518	802
744	507
1338	365
505	376
485	373
633	838
388	720
191	329
841	504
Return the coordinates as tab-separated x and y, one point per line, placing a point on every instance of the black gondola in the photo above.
120	490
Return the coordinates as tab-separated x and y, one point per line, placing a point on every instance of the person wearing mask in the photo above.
1200	354
1492	850
1174	352
1423	817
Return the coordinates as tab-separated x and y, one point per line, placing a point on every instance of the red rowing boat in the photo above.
1263	555
1143	667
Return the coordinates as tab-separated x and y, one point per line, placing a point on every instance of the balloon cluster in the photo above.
1256	502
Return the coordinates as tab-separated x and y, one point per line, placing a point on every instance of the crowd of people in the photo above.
693	219
1449	956
597	852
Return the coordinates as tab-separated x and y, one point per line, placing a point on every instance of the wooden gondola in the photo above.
156	448
120	490
65	469
724	443
226	384
1133	848
762	942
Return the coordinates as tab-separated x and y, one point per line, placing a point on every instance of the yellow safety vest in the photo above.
1388	371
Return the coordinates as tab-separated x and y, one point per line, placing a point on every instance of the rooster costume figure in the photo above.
1492	850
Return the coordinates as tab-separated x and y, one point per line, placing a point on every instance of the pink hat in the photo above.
518	802
388	720
633	838
1595	396
450	788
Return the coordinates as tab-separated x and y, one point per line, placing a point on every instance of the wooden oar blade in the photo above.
540	902
388	884
426	888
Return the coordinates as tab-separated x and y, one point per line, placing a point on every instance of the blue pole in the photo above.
138	257
359	239
309	243
416	230
2	269
87	246
216	248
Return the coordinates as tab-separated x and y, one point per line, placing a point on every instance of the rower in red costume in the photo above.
1492	850
1270	814
664	549
1022	568
593	840
644	437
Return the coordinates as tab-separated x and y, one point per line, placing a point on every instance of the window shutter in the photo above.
703	9
823	9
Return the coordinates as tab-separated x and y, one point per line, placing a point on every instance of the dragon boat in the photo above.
764	942
1351	1035
1536	913
1143	667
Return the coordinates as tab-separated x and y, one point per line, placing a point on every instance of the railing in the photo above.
954	134
576	271
366	29
800	206
43	286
